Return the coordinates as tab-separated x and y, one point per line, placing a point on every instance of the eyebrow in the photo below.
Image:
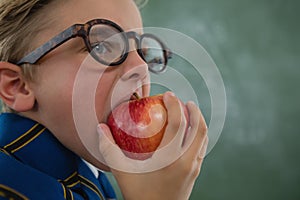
102	32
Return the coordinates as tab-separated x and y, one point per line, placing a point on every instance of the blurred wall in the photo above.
255	45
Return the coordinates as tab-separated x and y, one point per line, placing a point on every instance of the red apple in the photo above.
138	125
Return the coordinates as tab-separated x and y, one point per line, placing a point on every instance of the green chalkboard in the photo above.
256	46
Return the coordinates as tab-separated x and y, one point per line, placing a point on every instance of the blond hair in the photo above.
20	21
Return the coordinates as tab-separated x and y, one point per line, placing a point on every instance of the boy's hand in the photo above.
172	171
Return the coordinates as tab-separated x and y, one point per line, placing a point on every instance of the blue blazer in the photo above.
35	165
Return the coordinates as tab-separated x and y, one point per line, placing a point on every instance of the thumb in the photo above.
103	130
106	139
111	153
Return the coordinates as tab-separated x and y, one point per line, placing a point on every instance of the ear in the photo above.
14	90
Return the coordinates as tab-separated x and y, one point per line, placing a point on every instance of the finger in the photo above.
201	156
196	118
197	131
203	149
105	138
112	154
176	120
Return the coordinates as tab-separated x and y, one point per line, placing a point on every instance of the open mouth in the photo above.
134	96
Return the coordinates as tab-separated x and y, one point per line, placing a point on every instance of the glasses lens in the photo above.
108	44
153	54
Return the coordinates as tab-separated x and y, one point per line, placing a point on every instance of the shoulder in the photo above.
19	181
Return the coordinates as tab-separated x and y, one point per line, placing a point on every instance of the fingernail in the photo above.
191	103
100	129
171	93
168	95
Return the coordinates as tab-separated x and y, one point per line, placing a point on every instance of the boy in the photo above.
41	151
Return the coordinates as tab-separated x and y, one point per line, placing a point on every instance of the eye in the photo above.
102	47
145	51
153	56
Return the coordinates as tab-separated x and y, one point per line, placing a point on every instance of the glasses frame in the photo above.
83	30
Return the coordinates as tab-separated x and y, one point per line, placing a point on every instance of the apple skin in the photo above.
138	126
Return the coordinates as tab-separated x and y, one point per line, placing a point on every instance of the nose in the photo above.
134	67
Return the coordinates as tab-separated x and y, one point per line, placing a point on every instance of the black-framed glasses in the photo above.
108	44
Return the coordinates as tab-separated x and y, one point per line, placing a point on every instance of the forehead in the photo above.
69	12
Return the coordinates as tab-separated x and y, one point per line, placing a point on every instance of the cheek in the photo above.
54	91
56	96
103	96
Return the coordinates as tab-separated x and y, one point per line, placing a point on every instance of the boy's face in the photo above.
58	70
